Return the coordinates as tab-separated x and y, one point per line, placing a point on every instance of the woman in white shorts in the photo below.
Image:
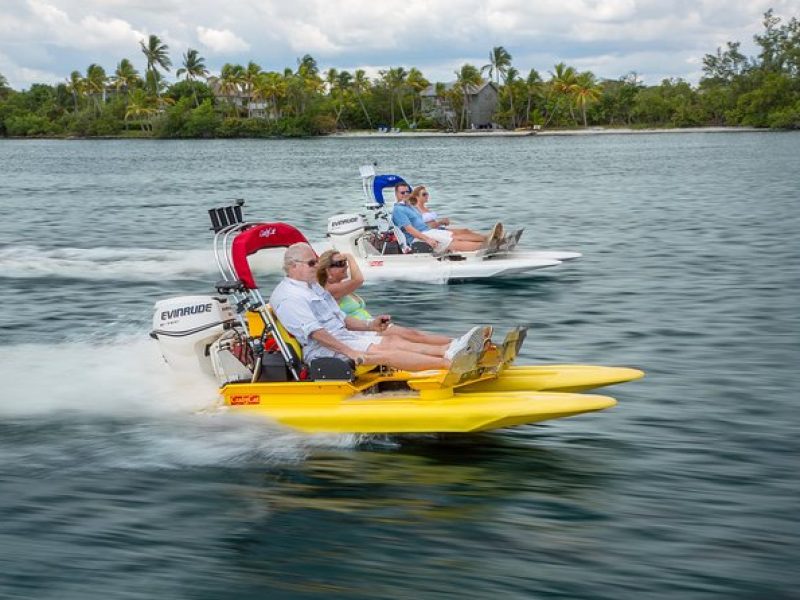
446	236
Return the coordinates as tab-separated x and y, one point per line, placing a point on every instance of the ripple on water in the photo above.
115	485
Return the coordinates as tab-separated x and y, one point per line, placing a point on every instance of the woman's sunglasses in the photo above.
339	264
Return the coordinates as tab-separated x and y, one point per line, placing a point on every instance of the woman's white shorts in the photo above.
442	236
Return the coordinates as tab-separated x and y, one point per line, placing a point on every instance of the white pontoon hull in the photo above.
429	268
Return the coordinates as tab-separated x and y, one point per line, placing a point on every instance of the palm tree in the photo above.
417	82
125	76
499	62
272	85
307	66
249	77
467	78
345	80
156	54
585	91
336	93
95	83
395	80
511	78
307	81
343	93
295	92
533	87
194	67
360	85
331	75
561	82
231	80
76	86
140	107
155	83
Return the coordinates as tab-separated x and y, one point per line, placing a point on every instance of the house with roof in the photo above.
481	104
255	108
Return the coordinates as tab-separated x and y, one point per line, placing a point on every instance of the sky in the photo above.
43	41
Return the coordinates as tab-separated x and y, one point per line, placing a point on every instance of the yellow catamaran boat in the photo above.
236	338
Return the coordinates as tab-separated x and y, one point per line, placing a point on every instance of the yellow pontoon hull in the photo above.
554	378
515	397
461	413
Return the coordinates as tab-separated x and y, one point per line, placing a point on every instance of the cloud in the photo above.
88	32
437	36
23	77
303	37
221	40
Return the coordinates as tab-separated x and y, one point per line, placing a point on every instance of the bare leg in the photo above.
469	236
391	344
415	335
465	246
403	359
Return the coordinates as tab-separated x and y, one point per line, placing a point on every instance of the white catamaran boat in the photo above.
382	253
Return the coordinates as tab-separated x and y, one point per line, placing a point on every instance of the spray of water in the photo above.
120	376
124	264
116	404
129	264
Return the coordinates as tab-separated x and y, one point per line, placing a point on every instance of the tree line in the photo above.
247	101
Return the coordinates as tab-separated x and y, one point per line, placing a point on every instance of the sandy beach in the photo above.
550	132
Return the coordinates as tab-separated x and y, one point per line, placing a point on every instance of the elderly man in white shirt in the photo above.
313	316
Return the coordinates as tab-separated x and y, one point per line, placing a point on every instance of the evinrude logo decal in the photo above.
266	232
186	311
344	221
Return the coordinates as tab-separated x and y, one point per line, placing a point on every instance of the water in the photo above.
116	483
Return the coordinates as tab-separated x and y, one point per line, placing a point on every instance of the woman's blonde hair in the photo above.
413	199
325	260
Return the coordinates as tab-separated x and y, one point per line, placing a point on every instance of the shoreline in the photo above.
431	133
540	133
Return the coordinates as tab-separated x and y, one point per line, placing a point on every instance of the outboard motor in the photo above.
344	229
186	327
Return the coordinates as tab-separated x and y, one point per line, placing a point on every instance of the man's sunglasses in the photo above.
404	192
311	263
339	264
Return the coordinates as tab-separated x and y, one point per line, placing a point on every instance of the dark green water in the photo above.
112	485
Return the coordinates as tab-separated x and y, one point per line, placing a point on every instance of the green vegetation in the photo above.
761	91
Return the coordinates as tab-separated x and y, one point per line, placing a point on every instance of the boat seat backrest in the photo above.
287	337
255	324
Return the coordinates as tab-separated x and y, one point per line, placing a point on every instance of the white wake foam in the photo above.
125	375
171	421
127	264
135	264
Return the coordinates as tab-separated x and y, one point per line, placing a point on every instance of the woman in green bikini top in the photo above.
332	274
353	305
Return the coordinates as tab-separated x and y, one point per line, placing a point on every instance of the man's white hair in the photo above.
295	253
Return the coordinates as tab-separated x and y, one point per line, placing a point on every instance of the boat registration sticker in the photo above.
245	399
376	263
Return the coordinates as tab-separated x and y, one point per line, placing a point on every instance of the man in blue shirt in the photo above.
313	316
413	226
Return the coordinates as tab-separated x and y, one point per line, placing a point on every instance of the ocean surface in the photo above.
117	481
